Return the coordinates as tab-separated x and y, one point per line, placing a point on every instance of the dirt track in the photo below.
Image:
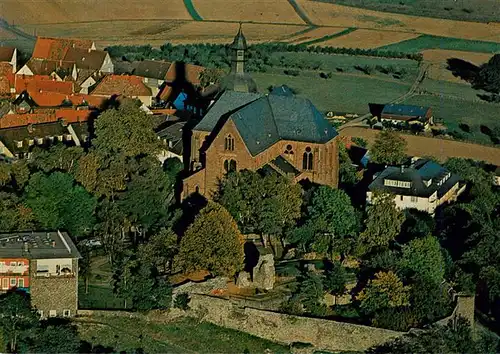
439	148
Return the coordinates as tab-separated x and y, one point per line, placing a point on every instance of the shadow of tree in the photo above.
462	69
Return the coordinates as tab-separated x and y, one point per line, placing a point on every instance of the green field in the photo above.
435	42
342	92
180	336
330	62
455	111
477	10
451	89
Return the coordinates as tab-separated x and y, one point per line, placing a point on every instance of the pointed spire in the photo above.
239	42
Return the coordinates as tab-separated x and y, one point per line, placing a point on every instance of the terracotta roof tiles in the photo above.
42	83
56	48
127	85
19	120
47	67
6	79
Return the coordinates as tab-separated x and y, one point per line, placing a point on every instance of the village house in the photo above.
172	140
398	114
8	55
127	85
424	185
45	265
244	129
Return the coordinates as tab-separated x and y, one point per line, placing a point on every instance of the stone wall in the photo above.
287	329
54	293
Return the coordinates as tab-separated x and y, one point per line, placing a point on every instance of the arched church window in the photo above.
307	159
229	143
230	166
289	150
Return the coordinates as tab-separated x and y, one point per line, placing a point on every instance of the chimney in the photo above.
60	62
90	49
402	168
53	244
26	247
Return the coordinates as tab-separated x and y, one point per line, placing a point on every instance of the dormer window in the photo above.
69	137
31	142
289	150
428	182
229	143
39	141
19	143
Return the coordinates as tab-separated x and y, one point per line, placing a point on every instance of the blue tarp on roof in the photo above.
179	102
405	110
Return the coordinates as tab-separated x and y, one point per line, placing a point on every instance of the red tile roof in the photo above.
127	85
19	120
165	93
73	115
191	73
6	53
6	79
47	67
42	83
56	48
54	99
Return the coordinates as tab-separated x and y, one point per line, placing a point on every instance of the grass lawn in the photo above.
330	62
454	111
342	92
434	42
184	335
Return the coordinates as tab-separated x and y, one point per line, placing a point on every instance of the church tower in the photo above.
238	79
238	52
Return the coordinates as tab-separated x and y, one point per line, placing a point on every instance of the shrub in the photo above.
464	127
360	142
182	301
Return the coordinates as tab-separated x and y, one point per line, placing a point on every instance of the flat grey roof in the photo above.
37	245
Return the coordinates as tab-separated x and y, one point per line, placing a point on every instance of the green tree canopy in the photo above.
17	318
58	203
389	148
383	223
58	157
213	242
347	172
264	204
55	339
423	258
335	279
14	216
160	249
385	290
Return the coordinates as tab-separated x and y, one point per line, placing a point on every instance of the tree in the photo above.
347	171
488	77
210	76
263	204
452	338
58	158
56	339
85	264
335	279
17	318
389	148
14	216
383	223
160	249
213	242
333	209
385	290
311	294
423	258
140	283
58	203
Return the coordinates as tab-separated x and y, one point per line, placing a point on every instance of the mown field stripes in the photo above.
192	11
330	36
298	33
300	12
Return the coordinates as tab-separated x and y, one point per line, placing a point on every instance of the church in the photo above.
244	129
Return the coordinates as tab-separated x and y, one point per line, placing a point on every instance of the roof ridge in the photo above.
273	116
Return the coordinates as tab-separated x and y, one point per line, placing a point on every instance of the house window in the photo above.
40	313
20	283
289	150
13	264
401	197
230	166
307	159
66	313
414	199
229	143
52	313
39	141
13	281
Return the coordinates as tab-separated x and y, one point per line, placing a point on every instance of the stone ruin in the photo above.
261	275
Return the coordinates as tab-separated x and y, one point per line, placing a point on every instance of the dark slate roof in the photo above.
153	69
239	42
271	118
284	166
405	110
9	136
41	245
228	101
173	134
417	173
241	82
282	90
